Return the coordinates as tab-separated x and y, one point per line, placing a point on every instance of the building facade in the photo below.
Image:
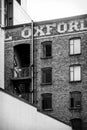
19	65
9	10
46	64
15	12
9	17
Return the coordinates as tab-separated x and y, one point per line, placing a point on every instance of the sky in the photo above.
41	10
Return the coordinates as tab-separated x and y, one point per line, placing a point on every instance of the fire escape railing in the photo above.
21	72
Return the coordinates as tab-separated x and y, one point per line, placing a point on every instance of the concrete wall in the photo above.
18	115
2	11
24	4
19	14
1	58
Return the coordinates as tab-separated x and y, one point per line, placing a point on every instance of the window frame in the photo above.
75	106
45	97
75	38
44	44
75	65
42	76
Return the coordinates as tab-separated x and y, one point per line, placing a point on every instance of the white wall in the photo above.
2	11
24	4
19	14
17	115
1	58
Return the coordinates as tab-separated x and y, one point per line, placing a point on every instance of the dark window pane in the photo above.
62	27
44	76
48	50
75	100
76	124
47	75
47	101
72	102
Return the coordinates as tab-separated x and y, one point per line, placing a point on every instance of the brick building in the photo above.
46	64
11	13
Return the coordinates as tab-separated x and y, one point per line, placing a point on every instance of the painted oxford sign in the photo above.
47	29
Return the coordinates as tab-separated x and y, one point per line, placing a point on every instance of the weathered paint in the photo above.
47	29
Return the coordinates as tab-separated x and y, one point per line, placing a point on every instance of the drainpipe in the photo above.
32	60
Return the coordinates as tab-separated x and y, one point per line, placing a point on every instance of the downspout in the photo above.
32	59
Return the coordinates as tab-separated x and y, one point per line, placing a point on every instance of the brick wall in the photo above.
60	62
61	87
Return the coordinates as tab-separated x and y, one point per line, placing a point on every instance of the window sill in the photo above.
75	54
46	84
75	81
49	57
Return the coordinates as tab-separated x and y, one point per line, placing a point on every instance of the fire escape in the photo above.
22	72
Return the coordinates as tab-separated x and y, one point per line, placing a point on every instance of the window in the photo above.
47	49
75	46
47	101
76	123
75	73
47	75
75	100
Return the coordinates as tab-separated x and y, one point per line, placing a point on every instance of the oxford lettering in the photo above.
51	29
